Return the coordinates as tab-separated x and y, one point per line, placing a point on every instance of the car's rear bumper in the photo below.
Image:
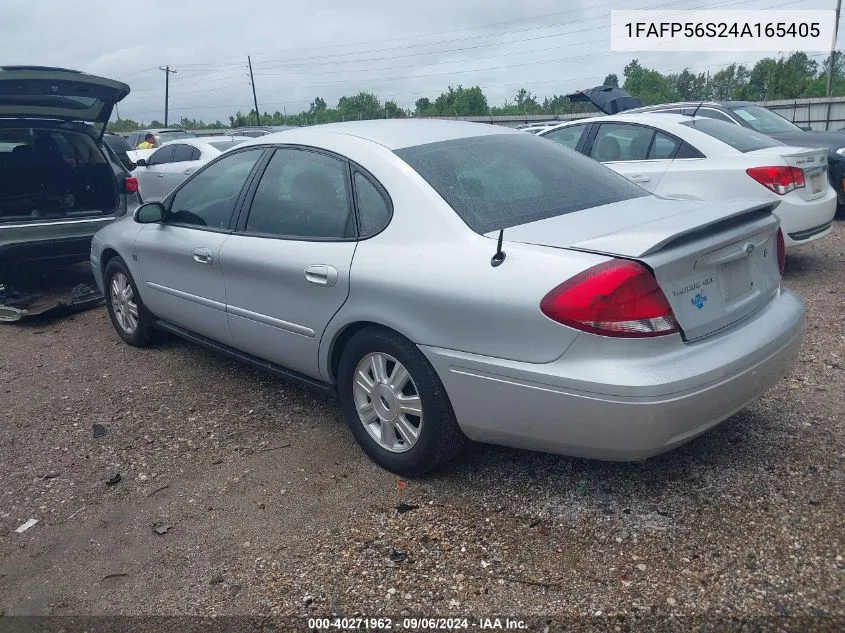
620	399
53	242
804	222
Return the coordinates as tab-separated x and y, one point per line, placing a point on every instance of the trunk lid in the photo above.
608	99
716	263
813	162
58	93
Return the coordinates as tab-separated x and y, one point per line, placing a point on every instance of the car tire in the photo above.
123	302
438	436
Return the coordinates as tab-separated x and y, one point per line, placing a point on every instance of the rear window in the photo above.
740	138
224	145
504	180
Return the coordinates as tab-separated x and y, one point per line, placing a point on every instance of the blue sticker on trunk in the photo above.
699	300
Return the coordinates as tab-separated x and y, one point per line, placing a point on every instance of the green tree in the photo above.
689	86
393	111
611	80
527	102
649	85
422	104
317	105
729	83
364	105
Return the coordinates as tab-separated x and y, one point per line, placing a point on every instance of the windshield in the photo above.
224	145
504	180
740	138
764	120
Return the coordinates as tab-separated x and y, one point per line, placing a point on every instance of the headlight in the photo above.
841	151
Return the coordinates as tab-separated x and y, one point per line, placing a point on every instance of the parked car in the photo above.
702	158
533	128
258	130
59	181
751	116
162	135
173	162
120	148
451	279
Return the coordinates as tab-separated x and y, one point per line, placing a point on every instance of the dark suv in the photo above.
59	181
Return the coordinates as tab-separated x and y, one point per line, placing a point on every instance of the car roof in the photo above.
693	104
644	118
205	140
392	133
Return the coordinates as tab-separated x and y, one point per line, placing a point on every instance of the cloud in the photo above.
300	50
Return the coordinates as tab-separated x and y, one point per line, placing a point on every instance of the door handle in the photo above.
203	256
639	178
160	175
321	275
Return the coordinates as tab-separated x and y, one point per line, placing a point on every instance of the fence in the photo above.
820	114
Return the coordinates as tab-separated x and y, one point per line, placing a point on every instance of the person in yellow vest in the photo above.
148	143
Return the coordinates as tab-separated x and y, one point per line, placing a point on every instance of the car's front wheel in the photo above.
128	314
395	404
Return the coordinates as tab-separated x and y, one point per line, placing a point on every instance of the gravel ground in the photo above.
266	506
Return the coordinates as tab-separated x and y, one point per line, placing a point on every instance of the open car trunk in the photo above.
49	174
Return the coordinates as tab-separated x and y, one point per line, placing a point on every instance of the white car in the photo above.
701	158
173	162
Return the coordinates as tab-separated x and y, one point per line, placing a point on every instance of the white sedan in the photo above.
701	158
173	162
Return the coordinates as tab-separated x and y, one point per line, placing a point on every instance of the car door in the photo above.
287	265
627	149
151	176
185	161
179	258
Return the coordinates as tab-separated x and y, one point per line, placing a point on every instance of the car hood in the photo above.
830	140
57	93
608	99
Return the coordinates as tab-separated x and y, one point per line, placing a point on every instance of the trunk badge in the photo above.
749	248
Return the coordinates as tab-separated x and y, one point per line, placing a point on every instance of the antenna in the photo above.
499	255
694	112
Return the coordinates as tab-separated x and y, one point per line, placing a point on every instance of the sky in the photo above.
300	50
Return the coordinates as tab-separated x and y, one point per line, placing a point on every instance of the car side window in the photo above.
302	194
208	199
663	147
621	141
567	136
373	209
195	153
688	151
181	153
161	156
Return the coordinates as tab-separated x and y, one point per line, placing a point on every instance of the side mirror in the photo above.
149	213
141	162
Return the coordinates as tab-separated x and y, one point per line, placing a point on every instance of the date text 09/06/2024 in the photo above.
416	624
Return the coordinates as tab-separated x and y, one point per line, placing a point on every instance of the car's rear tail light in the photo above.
130	184
781	252
779	179
617	298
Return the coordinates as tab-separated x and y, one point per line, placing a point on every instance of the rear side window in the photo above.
663	146
503	180
181	153
621	141
567	136
740	138
373	209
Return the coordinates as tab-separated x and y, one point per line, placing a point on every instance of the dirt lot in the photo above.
268	507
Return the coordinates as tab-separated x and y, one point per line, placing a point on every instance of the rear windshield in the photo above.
224	145
172	136
740	138
504	180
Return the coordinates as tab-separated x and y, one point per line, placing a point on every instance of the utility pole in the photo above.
829	90
254	98
167	73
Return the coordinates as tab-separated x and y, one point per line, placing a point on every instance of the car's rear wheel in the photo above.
128	314
395	404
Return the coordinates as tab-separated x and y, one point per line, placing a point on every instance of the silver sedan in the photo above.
450	280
